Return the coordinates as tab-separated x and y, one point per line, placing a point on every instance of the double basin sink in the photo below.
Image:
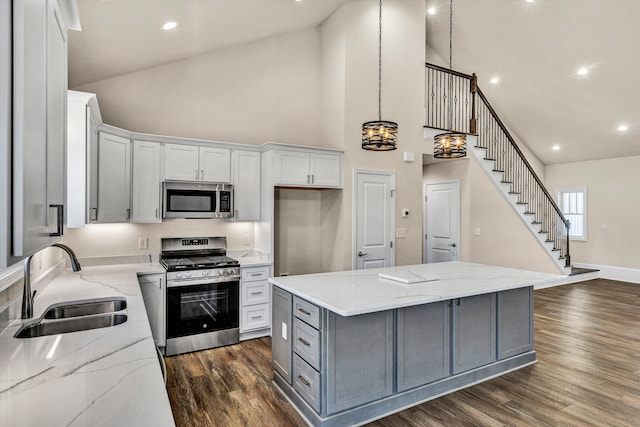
77	316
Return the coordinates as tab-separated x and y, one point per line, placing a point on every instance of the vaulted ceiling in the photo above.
534	48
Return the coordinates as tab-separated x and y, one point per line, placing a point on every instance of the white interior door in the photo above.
373	220
442	222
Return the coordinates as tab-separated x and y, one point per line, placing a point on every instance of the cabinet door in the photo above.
30	231
326	170
246	185
515	322
114	178
359	359
291	168
281	302
423	344
56	119
153	294
474	332
181	162
215	164
146	182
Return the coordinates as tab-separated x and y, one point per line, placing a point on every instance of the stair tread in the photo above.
536	223
487	158
522	203
529	213
514	192
506	182
498	170
484	148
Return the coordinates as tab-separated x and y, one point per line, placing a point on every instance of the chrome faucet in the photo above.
27	295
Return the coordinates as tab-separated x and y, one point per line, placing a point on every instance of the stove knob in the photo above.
187	274
206	273
179	275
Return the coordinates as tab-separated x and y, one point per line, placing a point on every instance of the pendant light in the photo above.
450	145
379	135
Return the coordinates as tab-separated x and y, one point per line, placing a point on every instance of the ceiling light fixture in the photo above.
530	1
582	71
169	26
494	81
556	148
450	145
380	135
431	10
623	128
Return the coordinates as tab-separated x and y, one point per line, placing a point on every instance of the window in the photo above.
573	204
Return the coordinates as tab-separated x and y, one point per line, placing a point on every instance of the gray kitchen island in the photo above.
350	347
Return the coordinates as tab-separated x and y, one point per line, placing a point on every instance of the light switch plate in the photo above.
401	232
476	231
143	242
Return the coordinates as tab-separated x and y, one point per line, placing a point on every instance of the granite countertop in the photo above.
109	376
349	293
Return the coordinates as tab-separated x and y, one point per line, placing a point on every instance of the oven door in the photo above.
198	308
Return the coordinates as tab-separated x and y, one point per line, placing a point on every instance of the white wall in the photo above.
613	203
268	90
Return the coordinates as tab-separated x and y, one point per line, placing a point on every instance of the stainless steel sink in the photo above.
72	324
85	307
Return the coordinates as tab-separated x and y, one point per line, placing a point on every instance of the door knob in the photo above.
362	253
452	245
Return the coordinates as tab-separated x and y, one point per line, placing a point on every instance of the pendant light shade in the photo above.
380	135
450	145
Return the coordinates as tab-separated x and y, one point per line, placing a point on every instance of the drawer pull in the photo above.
303	311
256	274
256	293
305	342
256	317
304	381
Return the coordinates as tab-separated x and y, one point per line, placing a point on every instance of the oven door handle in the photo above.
206	281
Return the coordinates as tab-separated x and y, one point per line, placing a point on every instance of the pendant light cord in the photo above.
380	61
451	64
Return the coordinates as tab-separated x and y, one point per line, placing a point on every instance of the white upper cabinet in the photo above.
83	119
308	168
146	182
113	179
246	185
195	163
33	86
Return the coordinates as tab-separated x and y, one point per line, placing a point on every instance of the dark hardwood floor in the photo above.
587	337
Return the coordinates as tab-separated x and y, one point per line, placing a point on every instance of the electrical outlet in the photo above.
401	232
143	242
246	240
476	231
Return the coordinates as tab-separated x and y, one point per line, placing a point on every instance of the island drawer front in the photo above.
255	293
307	312
252	274
255	317
306	343
306	381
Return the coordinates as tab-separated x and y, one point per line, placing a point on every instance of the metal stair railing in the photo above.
474	115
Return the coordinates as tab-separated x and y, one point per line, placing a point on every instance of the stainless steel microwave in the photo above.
197	200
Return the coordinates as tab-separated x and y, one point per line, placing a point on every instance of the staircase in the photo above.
499	156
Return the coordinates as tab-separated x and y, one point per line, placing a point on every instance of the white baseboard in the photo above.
622	274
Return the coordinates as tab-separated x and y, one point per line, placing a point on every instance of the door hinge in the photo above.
392	192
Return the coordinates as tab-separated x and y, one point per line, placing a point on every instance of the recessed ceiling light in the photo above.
431	10
169	26
530	1
623	128
494	80
556	148
582	71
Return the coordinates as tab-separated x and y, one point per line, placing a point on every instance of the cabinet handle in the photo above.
313	179
236	213
256	317
304	381
303	311
94	214
128	213
458	301
305	342
256	274
201	174
256	293
59	220
156	213
308	179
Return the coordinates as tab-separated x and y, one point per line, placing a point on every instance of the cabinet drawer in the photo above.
252	274
255	293
306	343
306	311
255	317
306	381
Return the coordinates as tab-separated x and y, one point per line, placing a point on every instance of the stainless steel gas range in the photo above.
203	294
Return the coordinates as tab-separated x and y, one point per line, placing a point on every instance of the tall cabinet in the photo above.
33	47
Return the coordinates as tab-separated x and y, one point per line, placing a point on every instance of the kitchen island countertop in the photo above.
108	376
350	293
